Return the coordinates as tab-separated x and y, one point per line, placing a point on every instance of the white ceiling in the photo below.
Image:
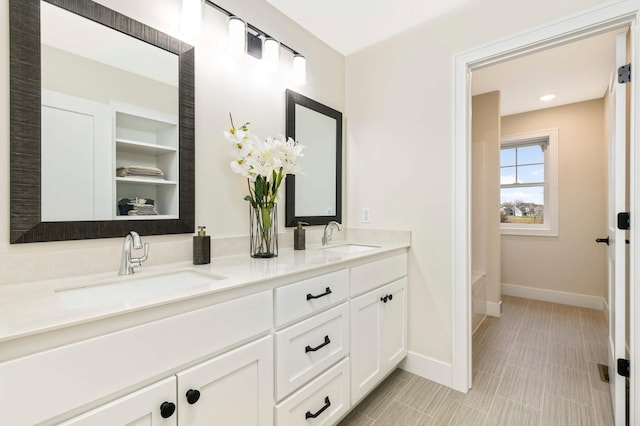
351	25
574	72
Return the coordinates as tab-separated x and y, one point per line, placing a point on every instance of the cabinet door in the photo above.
378	336
394	324
366	323
235	388
154	405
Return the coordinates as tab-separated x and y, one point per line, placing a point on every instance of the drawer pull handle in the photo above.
193	396
327	292
322	345
167	409
327	404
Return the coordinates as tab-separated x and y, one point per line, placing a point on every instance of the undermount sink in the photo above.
349	248
132	289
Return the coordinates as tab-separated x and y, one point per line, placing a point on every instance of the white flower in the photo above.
270	159
241	167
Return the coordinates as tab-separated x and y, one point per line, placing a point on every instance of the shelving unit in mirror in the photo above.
146	163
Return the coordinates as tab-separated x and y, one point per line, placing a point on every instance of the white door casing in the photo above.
616	194
598	19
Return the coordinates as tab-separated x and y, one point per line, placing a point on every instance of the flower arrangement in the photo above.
264	163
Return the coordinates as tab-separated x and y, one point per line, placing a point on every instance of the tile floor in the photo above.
536	365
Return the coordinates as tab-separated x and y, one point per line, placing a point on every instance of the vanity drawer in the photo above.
326	398
372	275
306	349
68	377
297	300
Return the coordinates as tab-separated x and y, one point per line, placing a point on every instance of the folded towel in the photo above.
140	171
136	207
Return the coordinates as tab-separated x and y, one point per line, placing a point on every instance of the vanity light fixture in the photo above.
237	36
271	55
299	69
191	17
547	98
268	51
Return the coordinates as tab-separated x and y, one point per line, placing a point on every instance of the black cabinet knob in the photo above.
167	409
193	396
384	299
391	297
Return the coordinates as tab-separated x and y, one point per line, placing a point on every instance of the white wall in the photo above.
65	72
223	85
399	126
485	197
571	262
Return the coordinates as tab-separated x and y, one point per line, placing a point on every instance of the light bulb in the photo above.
191	17
271	54
299	69
237	36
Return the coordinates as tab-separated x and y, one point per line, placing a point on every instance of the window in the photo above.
528	184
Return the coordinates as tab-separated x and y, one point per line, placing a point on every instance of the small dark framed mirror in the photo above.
315	196
93	92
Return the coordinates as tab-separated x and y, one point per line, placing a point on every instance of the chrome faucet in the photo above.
132	239
329	227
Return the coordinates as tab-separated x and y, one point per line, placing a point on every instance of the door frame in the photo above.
593	21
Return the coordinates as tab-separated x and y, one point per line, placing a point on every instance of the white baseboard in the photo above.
575	299
494	309
605	309
429	368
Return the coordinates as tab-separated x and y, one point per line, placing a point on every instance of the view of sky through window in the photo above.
522	165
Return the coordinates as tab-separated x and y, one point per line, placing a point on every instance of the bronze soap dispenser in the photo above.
299	238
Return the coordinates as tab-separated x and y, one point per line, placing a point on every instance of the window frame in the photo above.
550	226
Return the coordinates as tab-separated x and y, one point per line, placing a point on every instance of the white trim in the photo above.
429	368
634	254
550	226
494	309
598	19
574	299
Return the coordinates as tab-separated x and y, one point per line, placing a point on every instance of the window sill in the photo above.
529	232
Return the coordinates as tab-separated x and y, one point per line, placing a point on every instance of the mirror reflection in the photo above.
101	124
315	195
109	122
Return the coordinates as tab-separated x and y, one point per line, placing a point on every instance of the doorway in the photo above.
595	21
541	151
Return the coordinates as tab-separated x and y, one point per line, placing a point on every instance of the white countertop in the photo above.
30	308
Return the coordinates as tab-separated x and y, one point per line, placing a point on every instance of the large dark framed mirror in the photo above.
315	196
101	124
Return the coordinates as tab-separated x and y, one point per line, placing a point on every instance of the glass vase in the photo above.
264	230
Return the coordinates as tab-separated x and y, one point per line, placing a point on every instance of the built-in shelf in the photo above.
136	147
148	138
144	181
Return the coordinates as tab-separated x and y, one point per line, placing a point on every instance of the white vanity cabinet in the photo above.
378	323
312	368
153	405
299	350
233	389
68	377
